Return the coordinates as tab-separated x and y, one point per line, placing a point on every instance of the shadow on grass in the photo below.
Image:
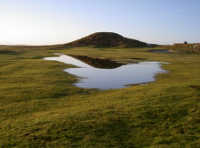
8	52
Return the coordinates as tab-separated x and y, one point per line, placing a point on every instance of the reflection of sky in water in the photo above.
68	60
110	78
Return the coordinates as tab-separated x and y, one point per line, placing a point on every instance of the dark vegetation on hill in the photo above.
106	39
96	40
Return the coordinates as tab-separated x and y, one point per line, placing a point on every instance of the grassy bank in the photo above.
39	106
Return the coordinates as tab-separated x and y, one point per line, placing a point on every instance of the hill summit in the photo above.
106	39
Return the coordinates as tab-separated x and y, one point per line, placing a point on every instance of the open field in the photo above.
39	106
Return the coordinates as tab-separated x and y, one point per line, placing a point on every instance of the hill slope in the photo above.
106	39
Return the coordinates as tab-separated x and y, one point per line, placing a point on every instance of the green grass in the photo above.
39	106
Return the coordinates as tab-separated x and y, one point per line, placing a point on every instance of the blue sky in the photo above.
59	21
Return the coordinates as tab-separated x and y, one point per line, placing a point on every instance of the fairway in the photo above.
40	106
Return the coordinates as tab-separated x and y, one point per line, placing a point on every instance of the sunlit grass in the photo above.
39	106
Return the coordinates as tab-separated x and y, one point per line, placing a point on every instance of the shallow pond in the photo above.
100	78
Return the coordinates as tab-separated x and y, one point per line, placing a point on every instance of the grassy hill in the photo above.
106	39
95	40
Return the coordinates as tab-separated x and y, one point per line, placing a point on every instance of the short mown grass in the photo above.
40	107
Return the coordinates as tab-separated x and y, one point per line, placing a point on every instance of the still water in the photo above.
91	77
